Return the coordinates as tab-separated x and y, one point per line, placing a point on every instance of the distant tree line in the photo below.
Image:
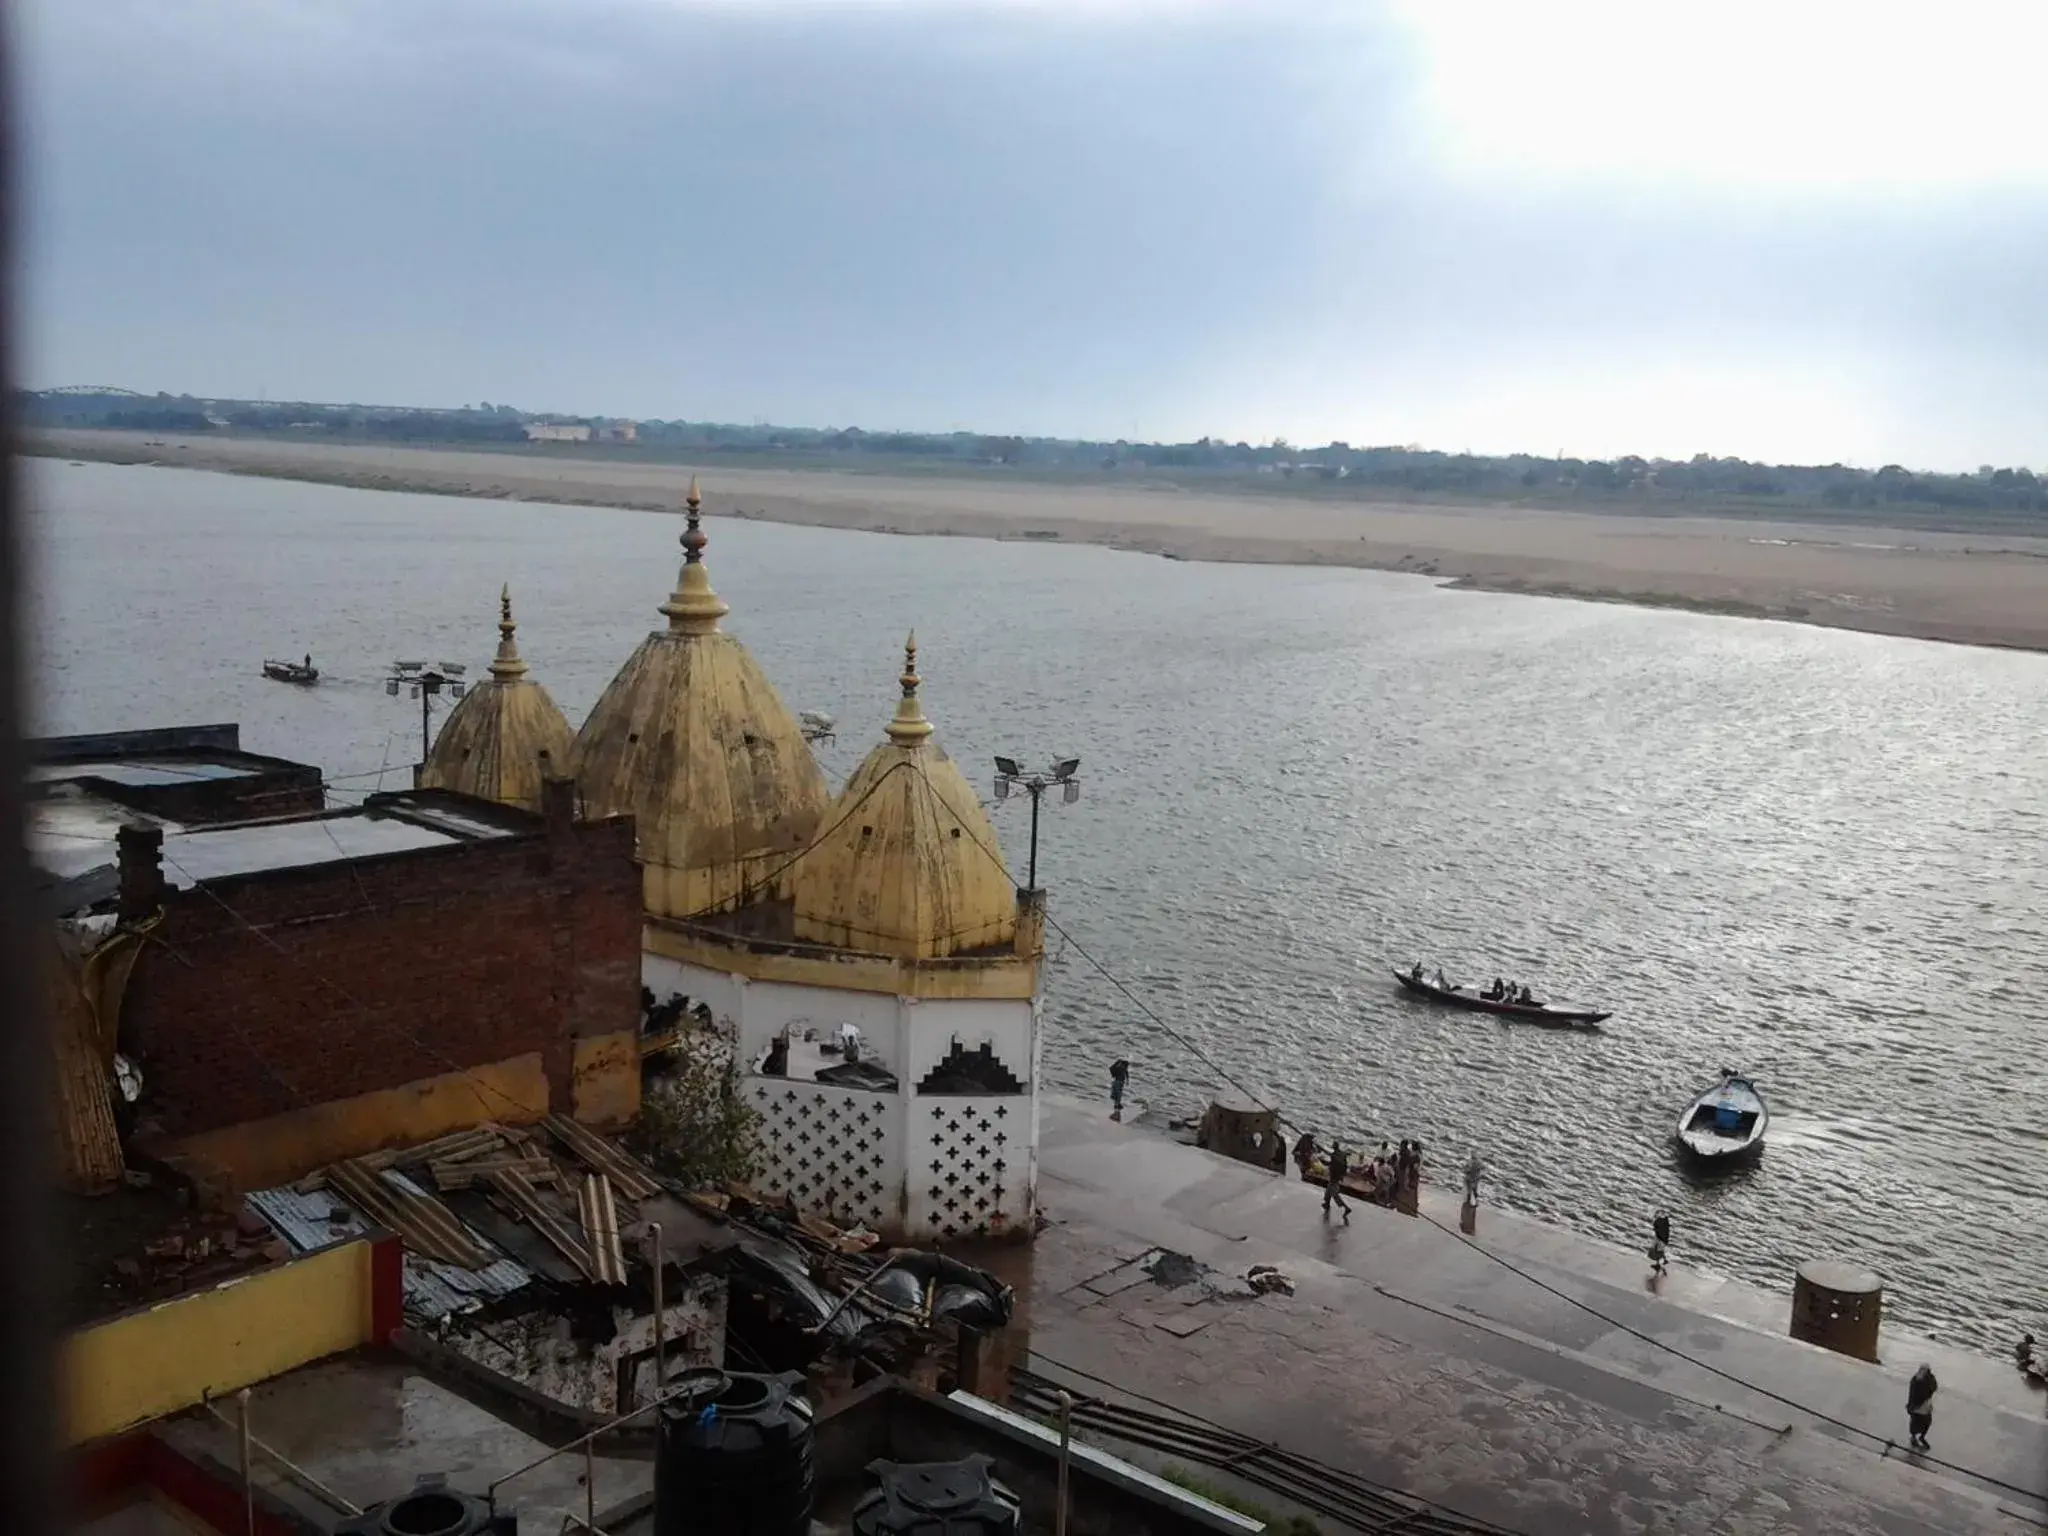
1411	471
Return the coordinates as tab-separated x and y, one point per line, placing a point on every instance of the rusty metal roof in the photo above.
432	1290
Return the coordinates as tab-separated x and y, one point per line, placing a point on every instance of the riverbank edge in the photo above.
1189	547
1514	1237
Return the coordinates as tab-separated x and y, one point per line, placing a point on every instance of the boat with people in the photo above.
1505	999
301	672
1727	1121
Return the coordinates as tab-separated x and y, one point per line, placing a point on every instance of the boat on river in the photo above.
1547	1015
1726	1122
303	673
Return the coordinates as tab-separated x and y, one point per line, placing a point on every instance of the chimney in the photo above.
141	852
558	803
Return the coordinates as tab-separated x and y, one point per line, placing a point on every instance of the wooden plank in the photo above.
599	1155
600	1217
467	1175
424	1224
519	1193
456	1145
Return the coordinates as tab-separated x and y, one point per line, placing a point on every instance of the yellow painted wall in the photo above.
143	1365
606	1086
259	1153
1008	976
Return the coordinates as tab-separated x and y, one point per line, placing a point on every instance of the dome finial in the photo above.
507	666
910	727
693	608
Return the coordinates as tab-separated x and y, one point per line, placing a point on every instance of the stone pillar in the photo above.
1838	1307
1030	941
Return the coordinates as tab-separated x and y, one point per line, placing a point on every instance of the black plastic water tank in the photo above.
734	1459
431	1509
936	1498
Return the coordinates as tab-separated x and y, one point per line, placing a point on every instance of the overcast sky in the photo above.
1788	231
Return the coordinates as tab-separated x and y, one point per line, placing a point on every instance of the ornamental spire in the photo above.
508	666
693	608
909	728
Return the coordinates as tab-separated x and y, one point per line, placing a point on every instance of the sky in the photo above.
1797	232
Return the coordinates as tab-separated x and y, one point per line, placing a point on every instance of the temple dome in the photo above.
506	735
693	742
908	864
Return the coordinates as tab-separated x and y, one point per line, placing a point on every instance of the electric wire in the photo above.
1923	1458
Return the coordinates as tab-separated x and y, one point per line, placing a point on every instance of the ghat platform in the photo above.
1529	1377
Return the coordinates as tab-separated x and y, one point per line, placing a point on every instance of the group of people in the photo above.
1392	1178
1502	991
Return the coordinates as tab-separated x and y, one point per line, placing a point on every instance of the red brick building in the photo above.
315	987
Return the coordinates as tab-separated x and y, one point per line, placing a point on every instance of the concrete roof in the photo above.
72	831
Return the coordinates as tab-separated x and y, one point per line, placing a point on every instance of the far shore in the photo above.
1973	589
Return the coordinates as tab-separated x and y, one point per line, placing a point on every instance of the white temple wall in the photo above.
860	1156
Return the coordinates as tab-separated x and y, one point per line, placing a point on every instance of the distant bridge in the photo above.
94	389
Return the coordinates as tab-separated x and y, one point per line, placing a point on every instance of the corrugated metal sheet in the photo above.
600	1156
432	1290
521	1196
427	1225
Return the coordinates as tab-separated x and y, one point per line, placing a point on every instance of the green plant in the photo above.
695	1126
1276	1525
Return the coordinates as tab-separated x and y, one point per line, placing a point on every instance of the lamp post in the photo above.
1062	772
426	684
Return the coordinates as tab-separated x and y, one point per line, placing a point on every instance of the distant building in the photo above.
619	432
556	432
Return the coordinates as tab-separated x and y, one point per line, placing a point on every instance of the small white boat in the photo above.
1726	1121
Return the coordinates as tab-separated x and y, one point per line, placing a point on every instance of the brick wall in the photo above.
366	976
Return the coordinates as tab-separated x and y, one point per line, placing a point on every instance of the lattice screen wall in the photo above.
834	1151
969	1165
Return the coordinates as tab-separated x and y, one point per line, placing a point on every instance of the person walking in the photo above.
1920	1407
1333	1182
1119	1075
1660	1246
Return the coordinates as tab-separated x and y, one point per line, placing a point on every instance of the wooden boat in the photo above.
1727	1121
292	671
1548	1015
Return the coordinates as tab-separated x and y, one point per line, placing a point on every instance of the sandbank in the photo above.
1970	588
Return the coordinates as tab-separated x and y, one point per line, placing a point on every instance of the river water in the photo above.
1818	856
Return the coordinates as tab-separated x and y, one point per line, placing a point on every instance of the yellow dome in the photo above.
908	865
505	736
693	742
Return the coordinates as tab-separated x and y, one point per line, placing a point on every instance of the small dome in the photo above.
693	742
909	864
505	736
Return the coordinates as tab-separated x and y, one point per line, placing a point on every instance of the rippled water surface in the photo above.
1819	856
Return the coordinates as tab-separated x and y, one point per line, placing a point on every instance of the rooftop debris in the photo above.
564	1182
427	1225
574	1197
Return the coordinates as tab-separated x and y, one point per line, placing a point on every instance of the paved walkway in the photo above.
1414	1358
